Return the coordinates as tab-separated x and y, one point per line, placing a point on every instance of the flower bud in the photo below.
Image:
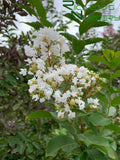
72	102
53	84
57	107
33	67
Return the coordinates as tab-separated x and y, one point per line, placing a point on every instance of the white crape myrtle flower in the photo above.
67	69
30	81
53	78
94	102
23	71
39	73
28	60
61	114
33	88
48	93
30	73
57	96
67	108
63	45
80	103
46	34
55	49
35	97
62	61
30	52
71	115
75	80
42	100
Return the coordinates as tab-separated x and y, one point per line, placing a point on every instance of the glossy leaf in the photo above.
39	7
116	74
114	128
86	25
78	45
80	2
28	9
102	98
98	119
101	142
70	37
115	63
109	54
36	25
60	142
93	40
115	101
2	92
96	154
99	59
39	114
11	78
117	54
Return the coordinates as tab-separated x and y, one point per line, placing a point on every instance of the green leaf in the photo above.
92	127
115	101
93	40
90	139
109	54
70	37
51	104
68	126
95	154
102	98
116	74
112	111
101	142
118	90
13	140
20	149
28	9
2	92
115	63
80	3
117	54
97	119
11	79
114	128
30	148
40	12
46	22
99	59
81	112
78	45
39	114
101	23
36	25
36	145
91	21
5	84
105	86
84	156
39	7
58	142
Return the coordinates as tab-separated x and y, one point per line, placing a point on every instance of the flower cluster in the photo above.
53	79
